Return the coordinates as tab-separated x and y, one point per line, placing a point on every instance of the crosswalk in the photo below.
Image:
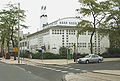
63	69
59	68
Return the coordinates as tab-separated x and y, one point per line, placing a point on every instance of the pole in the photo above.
77	44
67	55
18	34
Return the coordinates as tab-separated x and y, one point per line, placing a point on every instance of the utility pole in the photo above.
18	34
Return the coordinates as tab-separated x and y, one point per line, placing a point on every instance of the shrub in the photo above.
63	51
112	52
47	55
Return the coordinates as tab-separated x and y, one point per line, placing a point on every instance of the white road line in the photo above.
58	70
77	69
84	71
20	68
29	72
64	71
44	67
70	68
49	68
53	69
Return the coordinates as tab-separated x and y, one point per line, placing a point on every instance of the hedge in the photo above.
46	55
112	52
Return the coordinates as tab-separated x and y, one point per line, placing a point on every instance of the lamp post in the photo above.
18	34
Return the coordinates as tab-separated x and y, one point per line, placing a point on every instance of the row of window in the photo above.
64	22
82	44
57	31
70	32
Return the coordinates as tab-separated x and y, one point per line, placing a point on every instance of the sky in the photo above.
56	9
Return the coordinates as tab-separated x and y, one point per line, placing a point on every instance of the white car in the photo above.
90	58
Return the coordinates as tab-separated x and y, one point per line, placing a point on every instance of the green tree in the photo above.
63	51
113	21
9	22
111	25
95	10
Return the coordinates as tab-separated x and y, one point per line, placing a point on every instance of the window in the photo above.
52	31
55	31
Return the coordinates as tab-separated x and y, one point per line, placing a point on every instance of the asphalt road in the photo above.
14	73
50	72
110	65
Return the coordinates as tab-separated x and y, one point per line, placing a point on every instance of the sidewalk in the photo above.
89	76
49	61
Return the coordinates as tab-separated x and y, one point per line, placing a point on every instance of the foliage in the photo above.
112	52
46	55
63	51
95	10
8	24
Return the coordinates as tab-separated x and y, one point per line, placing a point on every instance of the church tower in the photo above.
43	17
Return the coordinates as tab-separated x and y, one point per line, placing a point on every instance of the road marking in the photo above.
48	68
84	71
58	70
20	68
77	69
53	69
29	72
64	71
44	67
71	68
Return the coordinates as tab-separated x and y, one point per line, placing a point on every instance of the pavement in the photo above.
89	76
95	75
48	61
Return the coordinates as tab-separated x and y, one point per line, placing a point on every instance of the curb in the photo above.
105	73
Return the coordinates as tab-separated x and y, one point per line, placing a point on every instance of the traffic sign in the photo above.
42	47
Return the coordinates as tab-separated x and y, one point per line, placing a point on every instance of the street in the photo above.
50	72
14	73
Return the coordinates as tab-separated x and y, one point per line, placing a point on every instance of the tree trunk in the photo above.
91	47
94	24
12	38
2	48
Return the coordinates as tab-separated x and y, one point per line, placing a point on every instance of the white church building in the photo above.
63	32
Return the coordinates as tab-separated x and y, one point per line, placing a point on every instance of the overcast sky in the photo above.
55	9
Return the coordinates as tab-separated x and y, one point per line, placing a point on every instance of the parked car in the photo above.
90	58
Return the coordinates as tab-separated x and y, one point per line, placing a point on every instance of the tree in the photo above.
63	51
95	10
113	21
9	21
111	25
